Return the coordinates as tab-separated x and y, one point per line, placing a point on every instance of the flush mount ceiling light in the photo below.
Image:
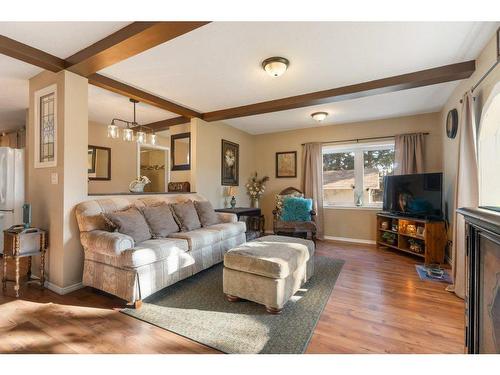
275	66
131	126
319	116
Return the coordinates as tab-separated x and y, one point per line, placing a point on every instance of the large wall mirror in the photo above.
99	163
180	145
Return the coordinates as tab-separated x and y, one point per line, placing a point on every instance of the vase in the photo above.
254	202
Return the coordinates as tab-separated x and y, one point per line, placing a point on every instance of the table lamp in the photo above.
232	191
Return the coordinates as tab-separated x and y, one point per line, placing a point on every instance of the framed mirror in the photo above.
180	147
99	163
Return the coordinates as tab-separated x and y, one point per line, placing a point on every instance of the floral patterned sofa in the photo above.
132	271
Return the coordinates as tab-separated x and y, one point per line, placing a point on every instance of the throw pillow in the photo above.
280	198
160	220
130	222
206	213
186	216
296	209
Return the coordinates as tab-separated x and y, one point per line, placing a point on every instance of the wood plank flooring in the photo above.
379	305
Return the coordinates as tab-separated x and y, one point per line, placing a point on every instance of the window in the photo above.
46	127
353	174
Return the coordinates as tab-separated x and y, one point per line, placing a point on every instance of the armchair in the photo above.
305	229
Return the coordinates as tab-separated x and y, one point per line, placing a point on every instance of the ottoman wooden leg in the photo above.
273	310
231	298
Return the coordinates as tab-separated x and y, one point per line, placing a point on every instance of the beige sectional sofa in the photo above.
133	271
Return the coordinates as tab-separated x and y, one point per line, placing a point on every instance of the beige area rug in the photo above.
196	308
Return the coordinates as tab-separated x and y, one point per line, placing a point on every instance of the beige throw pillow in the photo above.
206	213
130	222
186	216
160	220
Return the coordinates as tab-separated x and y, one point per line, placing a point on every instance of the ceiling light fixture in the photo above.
275	66
131	126
319	116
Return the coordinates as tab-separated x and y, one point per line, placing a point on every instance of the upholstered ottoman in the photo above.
268	270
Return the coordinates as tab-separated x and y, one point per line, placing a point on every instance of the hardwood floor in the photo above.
379	305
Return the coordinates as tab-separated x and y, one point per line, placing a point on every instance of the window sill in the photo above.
366	208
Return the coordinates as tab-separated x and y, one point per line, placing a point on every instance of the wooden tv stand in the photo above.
431	237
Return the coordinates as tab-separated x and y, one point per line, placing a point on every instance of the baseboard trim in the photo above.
63	290
351	240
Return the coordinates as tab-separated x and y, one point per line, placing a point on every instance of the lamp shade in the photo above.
128	135
152	139
141	137
113	131
232	191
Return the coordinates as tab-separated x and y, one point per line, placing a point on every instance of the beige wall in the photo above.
123	159
450	146
53	203
352	223
206	145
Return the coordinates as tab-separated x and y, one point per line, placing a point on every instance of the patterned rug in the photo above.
196	308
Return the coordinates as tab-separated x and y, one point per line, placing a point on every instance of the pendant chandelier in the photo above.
141	131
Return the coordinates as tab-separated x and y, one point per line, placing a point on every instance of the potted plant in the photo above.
389	237
255	188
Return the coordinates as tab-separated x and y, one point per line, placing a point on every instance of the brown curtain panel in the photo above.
466	190
312	181
409	153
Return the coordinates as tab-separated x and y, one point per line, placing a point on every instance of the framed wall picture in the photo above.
286	164
230	160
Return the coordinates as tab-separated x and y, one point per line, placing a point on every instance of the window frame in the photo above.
358	149
52	89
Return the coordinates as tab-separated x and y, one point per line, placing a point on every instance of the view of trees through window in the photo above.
340	175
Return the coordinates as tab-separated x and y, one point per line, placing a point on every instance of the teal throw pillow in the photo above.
296	209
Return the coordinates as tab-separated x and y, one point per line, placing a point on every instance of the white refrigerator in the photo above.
11	188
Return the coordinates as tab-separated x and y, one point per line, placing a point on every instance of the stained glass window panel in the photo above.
47	128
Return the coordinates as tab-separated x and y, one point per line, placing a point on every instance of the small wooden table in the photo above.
256	221
20	242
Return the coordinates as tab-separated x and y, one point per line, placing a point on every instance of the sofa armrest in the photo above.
226	217
110	243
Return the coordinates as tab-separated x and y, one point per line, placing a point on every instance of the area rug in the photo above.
196	308
422	273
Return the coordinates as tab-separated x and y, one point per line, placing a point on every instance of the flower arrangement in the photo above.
256	187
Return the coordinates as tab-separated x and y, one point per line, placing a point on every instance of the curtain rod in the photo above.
483	78
367	138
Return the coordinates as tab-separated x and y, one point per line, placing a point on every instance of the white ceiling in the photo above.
14	89
61	39
105	105
403	103
218	65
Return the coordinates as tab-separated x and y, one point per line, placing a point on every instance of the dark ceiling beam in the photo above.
140	95
30	55
127	42
166	124
421	78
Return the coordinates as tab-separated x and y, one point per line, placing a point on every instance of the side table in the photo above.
20	242
256	221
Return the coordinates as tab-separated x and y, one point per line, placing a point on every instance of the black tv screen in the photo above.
418	195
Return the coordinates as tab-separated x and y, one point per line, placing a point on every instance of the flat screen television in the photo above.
416	195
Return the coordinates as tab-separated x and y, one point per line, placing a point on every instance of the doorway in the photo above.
154	164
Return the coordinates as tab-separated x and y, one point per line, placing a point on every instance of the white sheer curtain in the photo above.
466	190
312	181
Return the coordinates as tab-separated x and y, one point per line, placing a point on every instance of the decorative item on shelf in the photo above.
416	246
390	238
131	126
358	198
384	225
411	229
137	185
27	215
255	189
232	191
421	231
395	226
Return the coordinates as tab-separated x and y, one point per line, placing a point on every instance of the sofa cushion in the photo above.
199	238
186	216
229	230
160	220
147	252
206	213
130	222
268	258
